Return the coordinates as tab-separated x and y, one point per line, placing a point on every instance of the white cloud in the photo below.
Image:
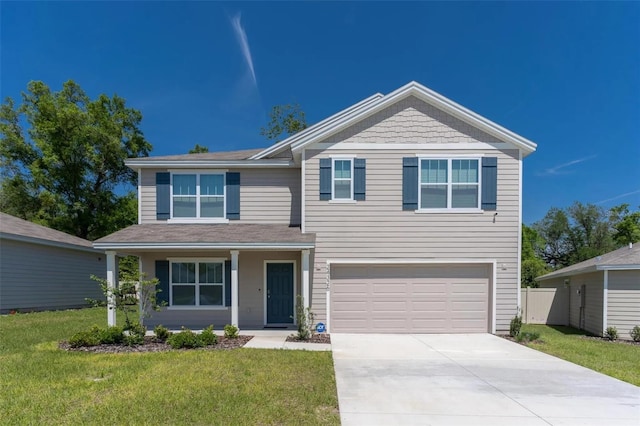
241	36
561	168
617	197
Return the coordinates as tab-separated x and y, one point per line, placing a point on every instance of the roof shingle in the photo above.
12	225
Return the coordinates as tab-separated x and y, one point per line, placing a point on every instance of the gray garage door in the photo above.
410	298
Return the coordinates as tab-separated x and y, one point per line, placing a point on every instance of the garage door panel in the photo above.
410	298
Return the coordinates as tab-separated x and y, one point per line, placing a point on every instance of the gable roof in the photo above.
624	258
376	103
14	228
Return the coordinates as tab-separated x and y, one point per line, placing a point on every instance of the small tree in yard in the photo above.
125	301
305	319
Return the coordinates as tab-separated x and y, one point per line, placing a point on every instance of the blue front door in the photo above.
279	293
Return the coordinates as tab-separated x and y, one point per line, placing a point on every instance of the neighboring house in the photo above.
42	269
603	291
398	214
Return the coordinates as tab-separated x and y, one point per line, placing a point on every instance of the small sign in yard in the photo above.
320	328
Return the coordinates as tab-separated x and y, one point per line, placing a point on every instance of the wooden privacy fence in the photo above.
545	305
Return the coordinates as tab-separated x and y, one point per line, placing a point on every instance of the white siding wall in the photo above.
379	228
250	286
623	308
266	196
593	303
35	276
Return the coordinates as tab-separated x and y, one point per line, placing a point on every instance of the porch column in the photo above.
305	277
111	285
234	287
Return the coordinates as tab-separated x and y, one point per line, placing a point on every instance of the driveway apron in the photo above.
470	379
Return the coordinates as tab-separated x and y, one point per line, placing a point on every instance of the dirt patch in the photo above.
151	345
315	338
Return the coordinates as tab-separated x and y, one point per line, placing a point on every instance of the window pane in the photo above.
342	189
211	206
184	206
210	273
464	171
184	273
433	171
433	196
211	295
184	184
464	196
184	294
342	169
211	185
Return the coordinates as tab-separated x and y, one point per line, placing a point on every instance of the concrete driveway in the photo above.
475	379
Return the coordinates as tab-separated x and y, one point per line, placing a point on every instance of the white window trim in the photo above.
196	284
333	179
450	184
199	219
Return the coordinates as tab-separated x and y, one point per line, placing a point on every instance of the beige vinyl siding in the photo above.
379	228
39	277
593	302
251	282
623	307
266	196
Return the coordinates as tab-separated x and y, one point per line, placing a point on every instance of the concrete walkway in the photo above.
477	379
276	339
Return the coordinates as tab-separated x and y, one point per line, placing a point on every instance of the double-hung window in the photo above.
449	183
342	179
197	283
198	195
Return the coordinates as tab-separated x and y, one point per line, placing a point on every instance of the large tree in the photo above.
62	157
198	149
284	121
532	264
626	225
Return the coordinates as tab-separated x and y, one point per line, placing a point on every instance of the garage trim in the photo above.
492	262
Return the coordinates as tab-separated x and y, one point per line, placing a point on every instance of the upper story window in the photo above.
449	183
198	195
342	179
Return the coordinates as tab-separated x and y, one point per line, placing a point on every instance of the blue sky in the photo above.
565	75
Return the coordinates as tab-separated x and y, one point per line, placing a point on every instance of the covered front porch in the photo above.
219	277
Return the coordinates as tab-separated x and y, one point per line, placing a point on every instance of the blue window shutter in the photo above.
163	195
489	183
233	195
227	283
410	183
359	179
325	178
162	274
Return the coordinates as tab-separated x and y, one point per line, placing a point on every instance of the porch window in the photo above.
198	195
197	283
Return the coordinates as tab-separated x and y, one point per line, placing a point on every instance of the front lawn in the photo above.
41	384
618	360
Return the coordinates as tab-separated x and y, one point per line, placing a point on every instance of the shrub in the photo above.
162	333
527	336
136	334
305	320
231	331
184	339
611	333
635	333
84	338
515	326
208	337
111	335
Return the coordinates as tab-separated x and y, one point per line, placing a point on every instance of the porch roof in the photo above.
198	236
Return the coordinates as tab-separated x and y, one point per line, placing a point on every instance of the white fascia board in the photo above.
429	96
197	246
561	274
617	267
40	241
183	164
395	261
327	121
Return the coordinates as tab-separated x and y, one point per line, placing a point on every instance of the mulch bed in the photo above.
315	338
604	339
151	345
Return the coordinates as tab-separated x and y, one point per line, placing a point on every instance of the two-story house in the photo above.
398	214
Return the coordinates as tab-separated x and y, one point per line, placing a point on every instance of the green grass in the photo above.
40	384
617	360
